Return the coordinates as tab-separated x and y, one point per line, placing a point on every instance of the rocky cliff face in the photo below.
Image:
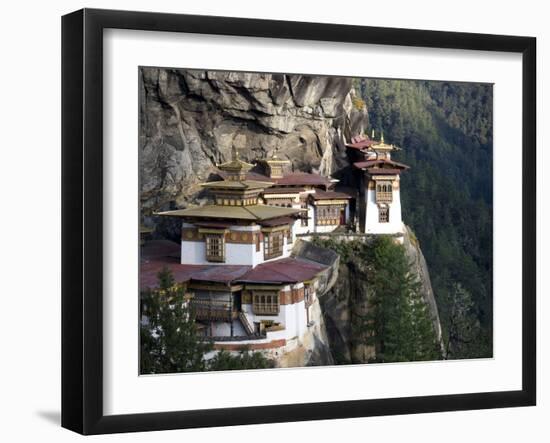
348	299
189	120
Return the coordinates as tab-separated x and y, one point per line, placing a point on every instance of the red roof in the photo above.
278	190
219	273
384	171
360	142
160	248
158	254
380	163
285	270
183	273
301	179
330	195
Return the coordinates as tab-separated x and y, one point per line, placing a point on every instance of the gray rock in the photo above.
189	120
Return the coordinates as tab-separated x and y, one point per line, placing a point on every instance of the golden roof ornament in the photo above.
235	168
381	145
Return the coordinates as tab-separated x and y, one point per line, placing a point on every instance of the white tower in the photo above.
380	202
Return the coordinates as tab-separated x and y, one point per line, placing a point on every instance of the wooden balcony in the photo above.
265	309
212	310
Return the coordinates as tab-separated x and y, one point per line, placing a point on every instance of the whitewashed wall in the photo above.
293	317
299	229
194	252
372	226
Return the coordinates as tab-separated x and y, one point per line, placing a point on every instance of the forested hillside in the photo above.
445	130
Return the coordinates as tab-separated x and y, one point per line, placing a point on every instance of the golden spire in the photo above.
235	168
382	136
372	134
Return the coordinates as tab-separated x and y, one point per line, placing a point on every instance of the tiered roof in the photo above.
376	155
360	142
363	143
382	166
240	194
236	168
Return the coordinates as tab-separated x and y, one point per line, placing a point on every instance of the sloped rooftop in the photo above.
250	213
282	271
302	178
330	195
285	270
380	164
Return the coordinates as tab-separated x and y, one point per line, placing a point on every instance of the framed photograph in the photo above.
270	221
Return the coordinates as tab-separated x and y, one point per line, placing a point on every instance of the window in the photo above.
215	248
273	244
304	216
257	239
384	192
289	234
383	214
265	303
328	214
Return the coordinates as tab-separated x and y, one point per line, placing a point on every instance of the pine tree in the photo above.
169	337
464	329
446	132
398	324
426	346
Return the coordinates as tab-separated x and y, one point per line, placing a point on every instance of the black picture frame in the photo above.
82	215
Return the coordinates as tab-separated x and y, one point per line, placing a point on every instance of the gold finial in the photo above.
234	153
372	134
382	136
